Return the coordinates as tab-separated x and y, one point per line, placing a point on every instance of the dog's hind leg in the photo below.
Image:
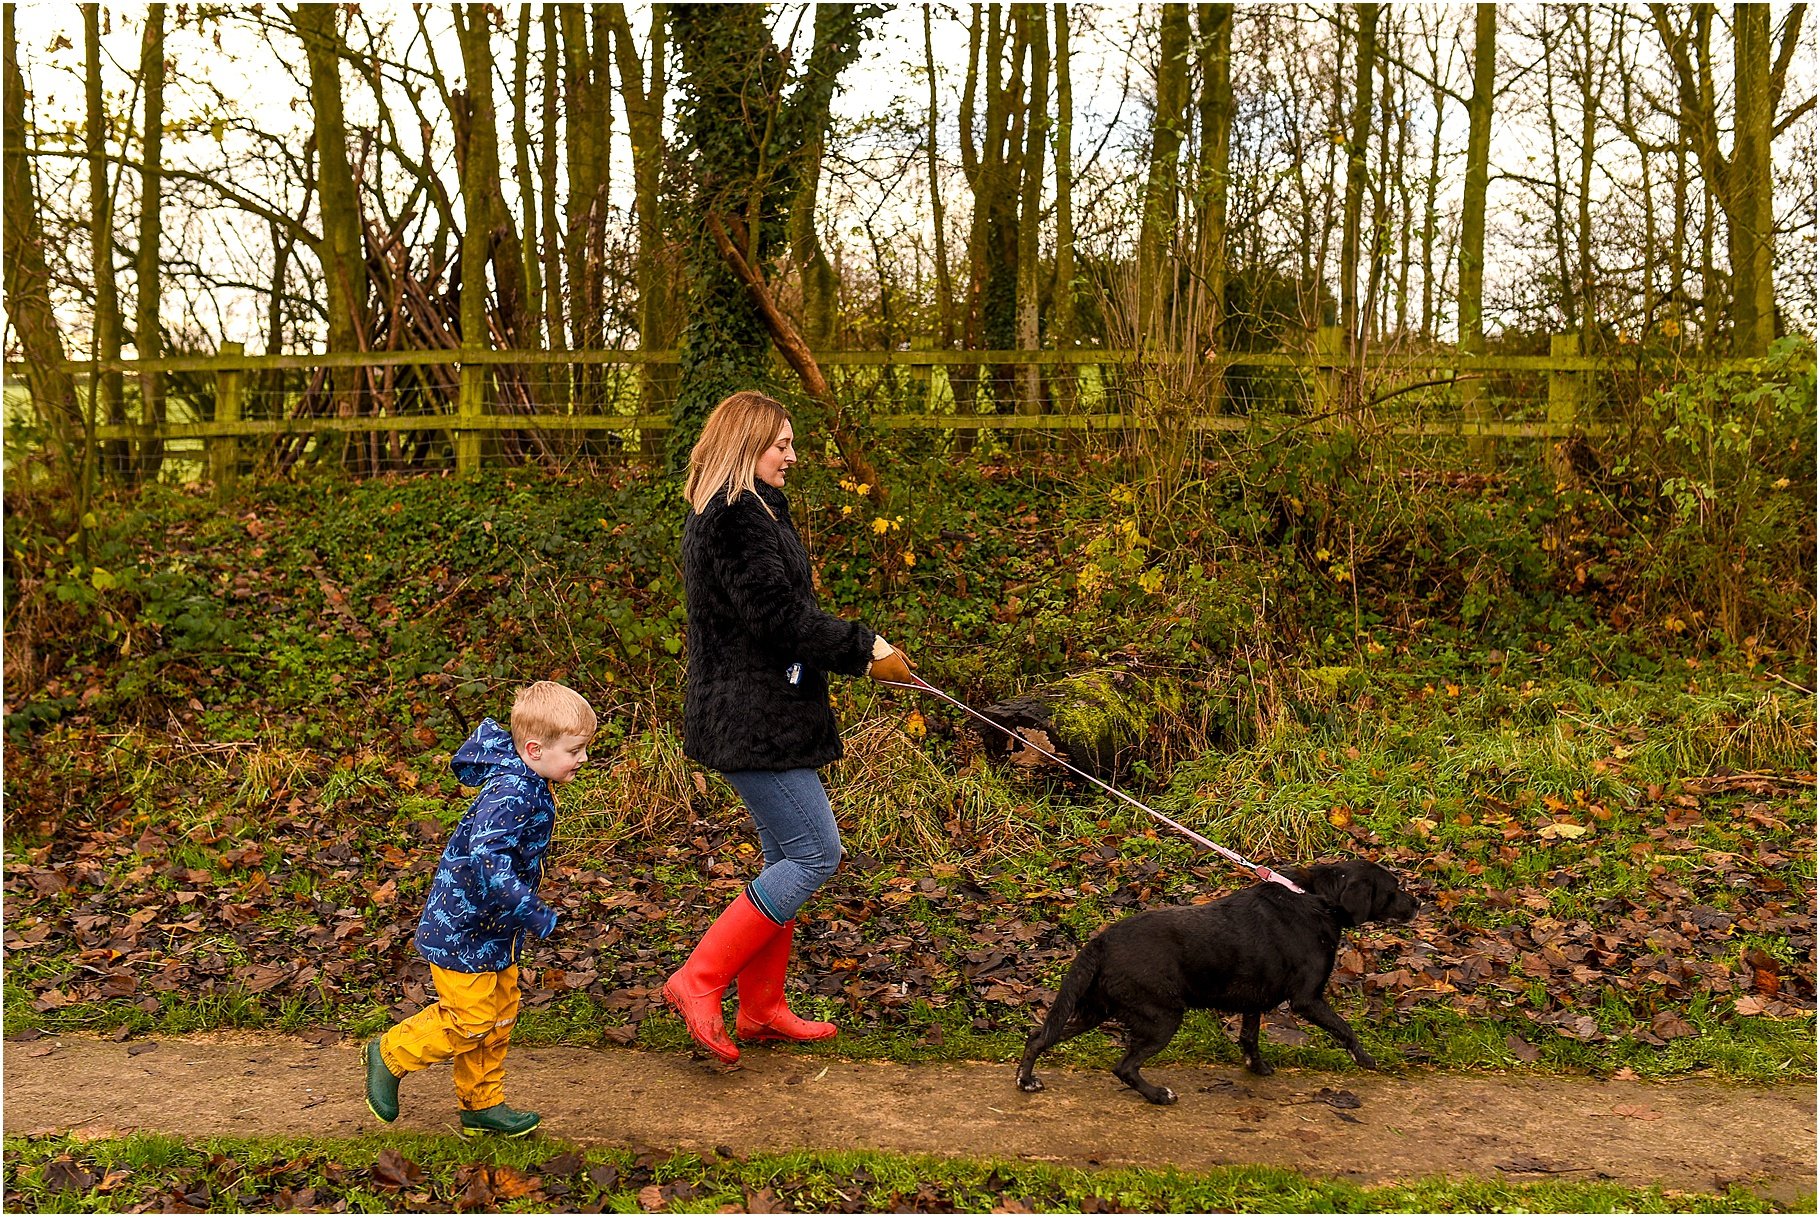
1324	1016
1053	1031
1149	1036
1248	1044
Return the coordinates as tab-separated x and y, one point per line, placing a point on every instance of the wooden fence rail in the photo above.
1325	363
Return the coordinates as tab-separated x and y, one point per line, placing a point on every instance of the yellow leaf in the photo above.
1339	817
1568	831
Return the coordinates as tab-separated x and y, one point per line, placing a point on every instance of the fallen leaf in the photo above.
651	1198
509	1184
63	1174
1632	1111
393	1171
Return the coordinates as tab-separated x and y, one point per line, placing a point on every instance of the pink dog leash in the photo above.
1262	872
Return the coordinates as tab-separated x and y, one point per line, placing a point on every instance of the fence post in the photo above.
1475	411
1330	357
469	406
224	450
1565	391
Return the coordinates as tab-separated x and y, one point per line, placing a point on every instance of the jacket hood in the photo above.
487	754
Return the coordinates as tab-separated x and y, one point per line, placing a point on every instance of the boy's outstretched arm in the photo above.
498	829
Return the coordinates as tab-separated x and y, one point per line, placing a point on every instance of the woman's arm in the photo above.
745	550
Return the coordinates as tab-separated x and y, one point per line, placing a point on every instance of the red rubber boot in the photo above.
695	989
762	1012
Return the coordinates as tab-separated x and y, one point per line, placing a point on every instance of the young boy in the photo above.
482	902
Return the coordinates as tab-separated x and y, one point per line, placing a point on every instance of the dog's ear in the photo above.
1364	887
1386	899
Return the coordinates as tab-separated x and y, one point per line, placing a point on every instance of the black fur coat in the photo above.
760	647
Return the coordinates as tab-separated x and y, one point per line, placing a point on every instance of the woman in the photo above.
755	707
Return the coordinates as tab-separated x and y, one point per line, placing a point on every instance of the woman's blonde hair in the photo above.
734	437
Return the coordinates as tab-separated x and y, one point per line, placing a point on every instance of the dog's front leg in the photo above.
1324	1016
1249	1045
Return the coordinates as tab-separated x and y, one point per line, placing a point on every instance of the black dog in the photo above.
1245	954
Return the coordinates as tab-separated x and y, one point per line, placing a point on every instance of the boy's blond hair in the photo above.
545	710
726	456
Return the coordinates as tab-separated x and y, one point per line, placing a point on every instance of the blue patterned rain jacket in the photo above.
484	896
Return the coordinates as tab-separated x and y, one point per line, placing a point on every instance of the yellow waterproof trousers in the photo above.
471	1024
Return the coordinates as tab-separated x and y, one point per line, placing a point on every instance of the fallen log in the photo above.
796	353
1094	720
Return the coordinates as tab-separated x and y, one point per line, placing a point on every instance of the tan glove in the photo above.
888	663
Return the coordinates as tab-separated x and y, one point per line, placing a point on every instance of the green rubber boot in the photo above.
382	1084
499	1120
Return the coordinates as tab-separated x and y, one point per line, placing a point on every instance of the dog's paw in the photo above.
1367	1061
1030	1084
1262	1068
1163	1096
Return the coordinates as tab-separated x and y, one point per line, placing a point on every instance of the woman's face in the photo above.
774	462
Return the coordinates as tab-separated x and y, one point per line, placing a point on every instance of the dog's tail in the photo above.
1068	1016
1076	985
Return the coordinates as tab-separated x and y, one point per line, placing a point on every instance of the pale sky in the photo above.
256	78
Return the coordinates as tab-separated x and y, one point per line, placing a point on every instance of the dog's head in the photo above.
1359	890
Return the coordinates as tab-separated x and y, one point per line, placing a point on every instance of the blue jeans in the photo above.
796	827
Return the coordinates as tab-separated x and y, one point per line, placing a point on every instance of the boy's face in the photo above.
559	759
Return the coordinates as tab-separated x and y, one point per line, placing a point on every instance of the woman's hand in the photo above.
888	663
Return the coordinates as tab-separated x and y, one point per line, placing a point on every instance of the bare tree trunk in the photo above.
1405	221
1431	186
1376	305
1029	248
110	397
1472	215
340	251
1677	243
643	85
820	284
1355	170
147	340
1711	291
1001	281
28	281
554	323
485	215
1753	238
1061	318
1592	83
1162	182
589	119
1630	123
964	379
529	251
1215	43
1566	297
944	285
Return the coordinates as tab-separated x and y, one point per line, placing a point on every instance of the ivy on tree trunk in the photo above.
744	143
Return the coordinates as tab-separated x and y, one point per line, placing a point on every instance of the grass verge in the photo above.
391	1172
